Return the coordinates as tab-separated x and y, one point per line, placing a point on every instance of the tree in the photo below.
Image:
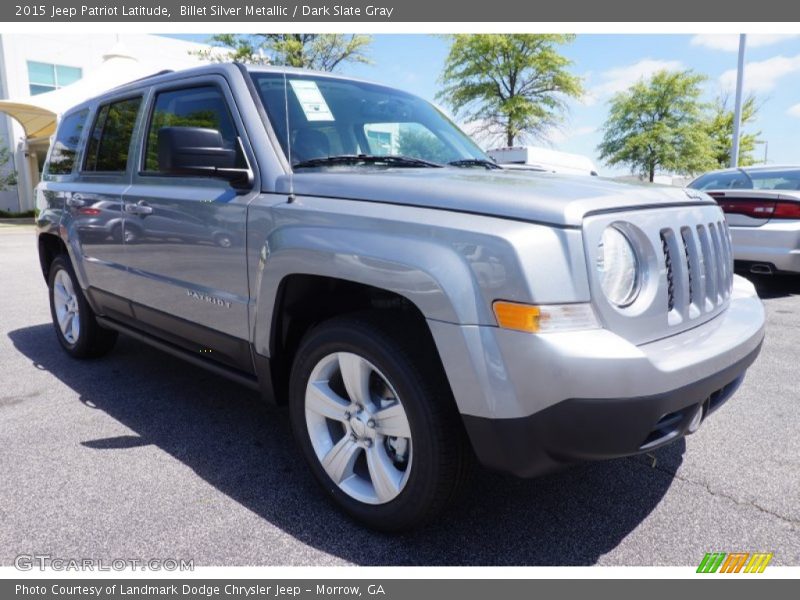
418	142
658	123
7	178
323	52
719	126
509	86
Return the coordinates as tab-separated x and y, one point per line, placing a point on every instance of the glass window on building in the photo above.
46	77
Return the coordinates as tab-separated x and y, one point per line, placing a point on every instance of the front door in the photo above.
187	259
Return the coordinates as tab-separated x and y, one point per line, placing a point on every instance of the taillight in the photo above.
89	212
786	210
758	208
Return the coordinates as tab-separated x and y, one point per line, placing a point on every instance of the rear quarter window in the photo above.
66	145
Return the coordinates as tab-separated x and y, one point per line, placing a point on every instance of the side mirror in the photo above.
199	151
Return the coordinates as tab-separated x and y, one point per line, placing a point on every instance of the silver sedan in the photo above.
762	207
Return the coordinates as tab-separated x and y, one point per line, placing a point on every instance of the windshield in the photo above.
331	117
783	179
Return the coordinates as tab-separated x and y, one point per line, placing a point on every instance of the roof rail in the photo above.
145	78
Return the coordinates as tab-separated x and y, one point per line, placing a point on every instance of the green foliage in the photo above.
658	123
320	51
419	143
719	126
111	137
208	119
510	86
26	214
10	178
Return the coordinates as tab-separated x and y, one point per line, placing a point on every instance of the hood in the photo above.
526	196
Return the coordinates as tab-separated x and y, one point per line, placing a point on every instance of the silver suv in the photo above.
342	247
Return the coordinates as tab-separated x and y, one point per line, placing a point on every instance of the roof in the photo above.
756	169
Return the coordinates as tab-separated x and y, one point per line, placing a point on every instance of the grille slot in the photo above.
670	272
686	234
698	266
709	270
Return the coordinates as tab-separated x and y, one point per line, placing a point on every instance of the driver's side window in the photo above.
202	106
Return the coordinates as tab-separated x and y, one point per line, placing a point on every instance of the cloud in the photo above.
730	43
620	79
794	111
559	136
762	76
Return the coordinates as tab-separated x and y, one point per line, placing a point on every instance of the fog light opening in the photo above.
694	424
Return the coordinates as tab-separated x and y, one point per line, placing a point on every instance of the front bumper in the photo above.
582	429
536	402
776	243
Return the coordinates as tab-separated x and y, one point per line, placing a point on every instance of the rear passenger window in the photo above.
65	146
203	106
111	136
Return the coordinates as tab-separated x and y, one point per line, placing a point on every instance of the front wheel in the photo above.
375	419
76	327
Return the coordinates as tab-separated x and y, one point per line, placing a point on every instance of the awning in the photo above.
39	114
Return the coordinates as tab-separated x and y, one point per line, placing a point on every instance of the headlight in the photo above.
618	267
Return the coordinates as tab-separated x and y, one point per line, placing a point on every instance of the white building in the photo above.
32	64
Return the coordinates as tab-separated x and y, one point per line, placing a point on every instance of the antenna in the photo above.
288	135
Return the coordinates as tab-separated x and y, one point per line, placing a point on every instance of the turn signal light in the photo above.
522	317
545	318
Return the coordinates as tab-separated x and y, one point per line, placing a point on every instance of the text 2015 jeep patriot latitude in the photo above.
344	248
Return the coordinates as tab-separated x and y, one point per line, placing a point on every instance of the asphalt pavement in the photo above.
139	455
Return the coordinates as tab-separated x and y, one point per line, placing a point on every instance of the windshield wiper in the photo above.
392	160
474	162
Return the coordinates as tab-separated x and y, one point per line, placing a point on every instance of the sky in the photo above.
609	63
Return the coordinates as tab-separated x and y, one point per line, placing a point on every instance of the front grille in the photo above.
698	268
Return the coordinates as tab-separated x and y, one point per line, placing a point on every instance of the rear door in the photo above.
188	262
93	208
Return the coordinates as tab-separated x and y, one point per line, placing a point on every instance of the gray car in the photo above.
762	207
416	306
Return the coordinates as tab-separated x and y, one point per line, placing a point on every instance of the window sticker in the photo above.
311	100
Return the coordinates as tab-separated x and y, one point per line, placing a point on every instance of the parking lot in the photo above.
139	455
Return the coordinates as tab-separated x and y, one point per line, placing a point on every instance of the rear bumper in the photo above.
776	243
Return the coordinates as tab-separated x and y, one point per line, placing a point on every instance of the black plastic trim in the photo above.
191	337
582	429
239	377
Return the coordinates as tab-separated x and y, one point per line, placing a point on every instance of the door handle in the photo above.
141	208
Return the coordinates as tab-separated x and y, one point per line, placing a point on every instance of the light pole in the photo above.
766	148
737	115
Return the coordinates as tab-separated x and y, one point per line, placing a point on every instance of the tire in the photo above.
75	324
388	482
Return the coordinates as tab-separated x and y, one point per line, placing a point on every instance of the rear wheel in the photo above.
76	327
375	419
